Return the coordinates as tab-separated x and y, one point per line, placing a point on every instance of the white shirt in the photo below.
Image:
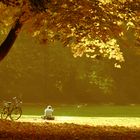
48	112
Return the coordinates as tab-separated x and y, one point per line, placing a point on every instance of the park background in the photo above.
50	74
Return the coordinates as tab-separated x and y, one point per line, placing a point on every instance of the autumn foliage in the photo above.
49	131
95	28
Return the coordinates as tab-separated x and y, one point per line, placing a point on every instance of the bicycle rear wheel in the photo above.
16	113
4	113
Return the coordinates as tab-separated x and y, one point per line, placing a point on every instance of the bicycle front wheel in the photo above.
4	113
16	113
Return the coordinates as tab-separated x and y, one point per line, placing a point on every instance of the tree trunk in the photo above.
10	39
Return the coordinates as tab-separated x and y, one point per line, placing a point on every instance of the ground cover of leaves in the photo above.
10	130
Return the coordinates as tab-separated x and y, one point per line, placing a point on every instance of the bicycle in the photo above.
12	110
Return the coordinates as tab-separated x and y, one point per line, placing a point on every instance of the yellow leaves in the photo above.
7	15
64	6
97	24
93	47
7	22
88	27
105	1
4	31
119	23
121	15
36	33
130	24
123	1
110	1
116	65
78	50
111	50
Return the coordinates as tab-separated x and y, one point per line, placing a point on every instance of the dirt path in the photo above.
107	121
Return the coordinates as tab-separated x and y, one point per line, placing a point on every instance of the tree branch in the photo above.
10	39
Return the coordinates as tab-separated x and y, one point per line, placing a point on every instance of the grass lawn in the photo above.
85	110
72	131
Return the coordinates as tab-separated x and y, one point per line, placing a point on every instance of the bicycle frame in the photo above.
12	108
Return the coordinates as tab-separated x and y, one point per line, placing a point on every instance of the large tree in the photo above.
95	28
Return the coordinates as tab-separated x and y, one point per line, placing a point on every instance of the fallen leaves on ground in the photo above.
64	131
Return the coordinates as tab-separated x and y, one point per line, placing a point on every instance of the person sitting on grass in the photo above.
48	113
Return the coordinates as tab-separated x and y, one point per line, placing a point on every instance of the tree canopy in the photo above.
95	28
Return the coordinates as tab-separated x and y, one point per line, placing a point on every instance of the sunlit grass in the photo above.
85	110
92	121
